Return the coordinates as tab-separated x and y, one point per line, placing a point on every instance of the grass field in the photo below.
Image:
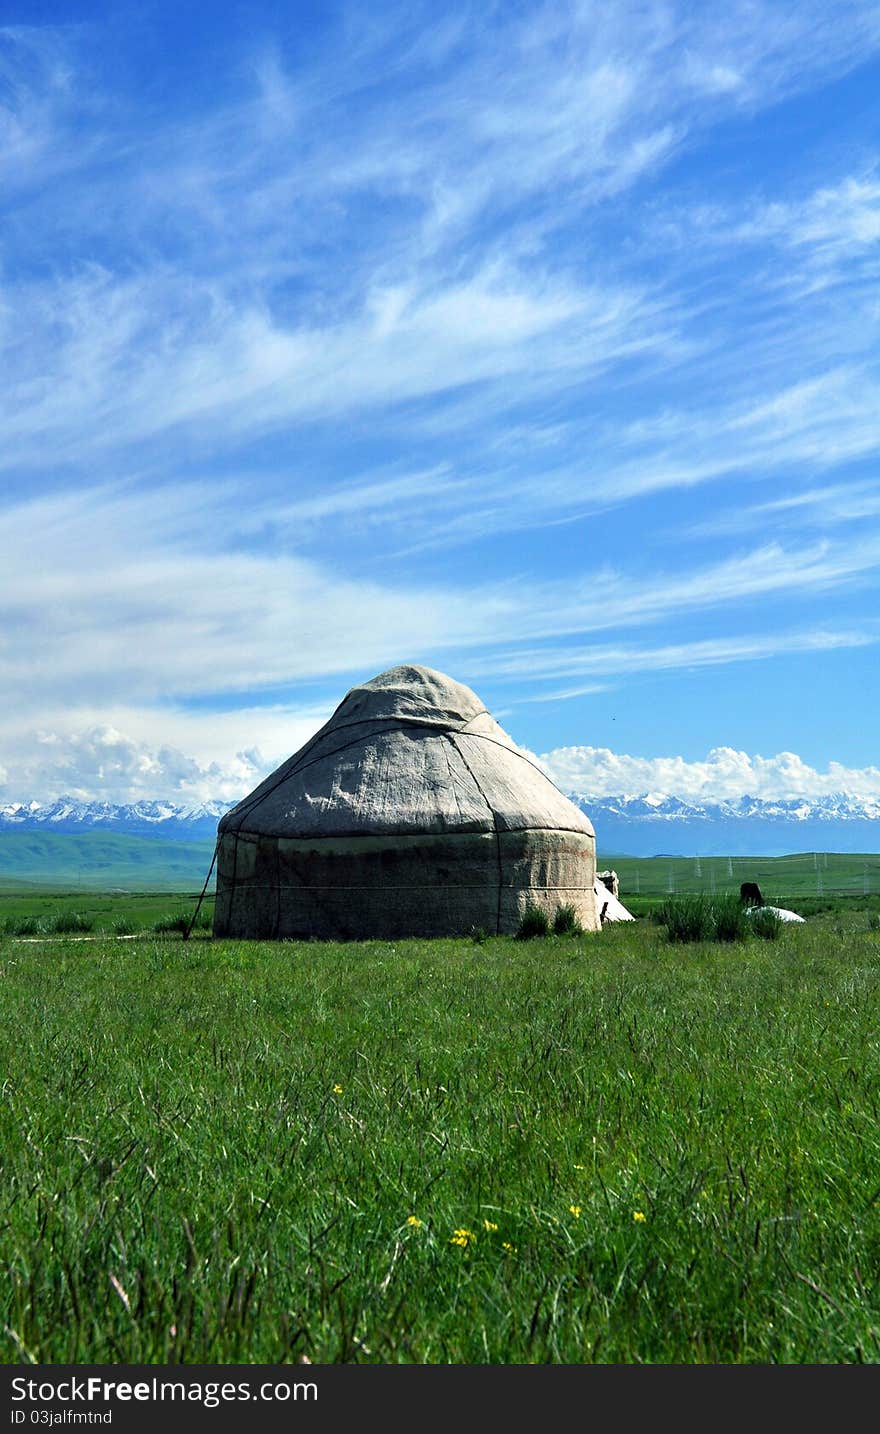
571	1150
89	864
140	910
809	882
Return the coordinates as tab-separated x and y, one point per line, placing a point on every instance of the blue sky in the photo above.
537	343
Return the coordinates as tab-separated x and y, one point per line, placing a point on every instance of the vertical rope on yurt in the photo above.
473	775
188	932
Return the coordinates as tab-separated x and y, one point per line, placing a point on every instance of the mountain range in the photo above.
661	825
159	819
647	825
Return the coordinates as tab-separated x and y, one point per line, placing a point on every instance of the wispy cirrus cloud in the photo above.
248	334
802	429
828	506
37	94
825	236
610	661
182	622
127	368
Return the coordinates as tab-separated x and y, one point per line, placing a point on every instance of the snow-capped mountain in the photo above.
657	824
166	819
648	824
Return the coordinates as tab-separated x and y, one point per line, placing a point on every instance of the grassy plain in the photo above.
96	861
140	910
92	863
809	882
604	1148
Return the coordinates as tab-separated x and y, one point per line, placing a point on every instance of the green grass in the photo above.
68	922
175	924
566	923
126	914
766	923
23	926
707	918
533	923
181	922
218	1152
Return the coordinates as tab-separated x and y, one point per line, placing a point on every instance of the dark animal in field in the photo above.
750	894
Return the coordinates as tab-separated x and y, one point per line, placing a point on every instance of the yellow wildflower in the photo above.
639	1216
511	1249
414	1221
489	1225
576	1211
337	1090
462	1238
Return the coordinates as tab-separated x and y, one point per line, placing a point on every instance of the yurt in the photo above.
410	813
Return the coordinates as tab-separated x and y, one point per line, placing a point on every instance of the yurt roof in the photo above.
411	751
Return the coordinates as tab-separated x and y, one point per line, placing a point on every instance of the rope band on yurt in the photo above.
473	776
249	804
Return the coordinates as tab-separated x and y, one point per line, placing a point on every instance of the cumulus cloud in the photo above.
139	754
103	763
723	773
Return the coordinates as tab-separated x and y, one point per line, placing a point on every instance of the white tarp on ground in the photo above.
608	906
778	911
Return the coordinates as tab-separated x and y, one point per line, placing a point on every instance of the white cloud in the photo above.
534	118
529	476
95	363
120	764
605	660
105	762
36	94
813	239
815	423
112	595
723	773
832	233
124	753
824	507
